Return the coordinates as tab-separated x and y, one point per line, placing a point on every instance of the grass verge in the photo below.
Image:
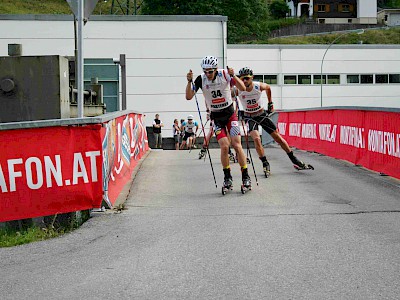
10	237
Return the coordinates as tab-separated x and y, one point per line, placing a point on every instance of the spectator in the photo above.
157	125
176	132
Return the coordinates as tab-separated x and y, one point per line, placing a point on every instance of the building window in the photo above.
289	79
304	79
321	21
258	78
367	79
271	79
317	79
353	78
321	7
381	78
333	79
345	8
394	78
349	20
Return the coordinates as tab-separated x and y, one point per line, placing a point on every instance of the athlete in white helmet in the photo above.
190	129
215	84
255	114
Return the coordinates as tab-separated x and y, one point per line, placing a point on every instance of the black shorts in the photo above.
263	120
187	135
221	118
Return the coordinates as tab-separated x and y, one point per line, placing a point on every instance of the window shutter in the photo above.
315	8
327	8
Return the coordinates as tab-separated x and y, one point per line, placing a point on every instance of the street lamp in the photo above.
358	31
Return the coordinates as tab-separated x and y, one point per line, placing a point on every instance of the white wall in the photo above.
159	52
367	9
339	59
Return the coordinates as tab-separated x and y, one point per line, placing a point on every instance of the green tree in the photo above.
278	9
246	18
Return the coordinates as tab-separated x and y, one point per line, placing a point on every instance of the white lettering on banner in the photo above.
282	128
39	173
3	184
36	171
295	129
50	169
93	167
352	136
327	132
384	142
12	174
309	131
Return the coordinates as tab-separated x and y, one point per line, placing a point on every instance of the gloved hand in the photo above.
240	115
270	107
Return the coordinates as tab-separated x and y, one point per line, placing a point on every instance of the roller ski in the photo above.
227	185
266	168
246	184
303	167
298	164
202	153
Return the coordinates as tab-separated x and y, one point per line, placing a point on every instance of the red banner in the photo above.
367	138
47	171
124	143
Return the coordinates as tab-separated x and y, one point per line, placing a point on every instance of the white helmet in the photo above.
190	117
209	62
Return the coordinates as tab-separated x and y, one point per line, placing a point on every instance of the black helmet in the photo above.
245	71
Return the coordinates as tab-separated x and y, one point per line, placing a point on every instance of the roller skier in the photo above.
254	114
215	85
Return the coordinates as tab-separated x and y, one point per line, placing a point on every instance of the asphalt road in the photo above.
332	233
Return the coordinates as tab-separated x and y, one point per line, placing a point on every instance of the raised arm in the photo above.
189	88
238	82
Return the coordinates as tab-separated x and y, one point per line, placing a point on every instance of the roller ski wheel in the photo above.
266	169
246	185
227	185
304	167
232	158
248	160
202	153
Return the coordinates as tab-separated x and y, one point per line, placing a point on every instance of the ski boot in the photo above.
266	168
299	165
202	153
246	184
227	185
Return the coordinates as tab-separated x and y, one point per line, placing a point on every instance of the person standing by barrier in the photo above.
157	125
215	85
176	133
254	114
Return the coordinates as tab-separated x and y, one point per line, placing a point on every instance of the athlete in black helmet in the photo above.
255	114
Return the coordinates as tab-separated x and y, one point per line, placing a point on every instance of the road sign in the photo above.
88	7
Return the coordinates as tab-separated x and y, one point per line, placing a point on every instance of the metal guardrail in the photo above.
66	122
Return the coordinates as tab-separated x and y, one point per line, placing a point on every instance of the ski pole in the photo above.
248	150
204	132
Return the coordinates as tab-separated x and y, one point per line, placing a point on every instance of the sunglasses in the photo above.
245	77
208	72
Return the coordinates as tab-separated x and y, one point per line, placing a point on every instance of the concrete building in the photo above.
389	17
335	12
